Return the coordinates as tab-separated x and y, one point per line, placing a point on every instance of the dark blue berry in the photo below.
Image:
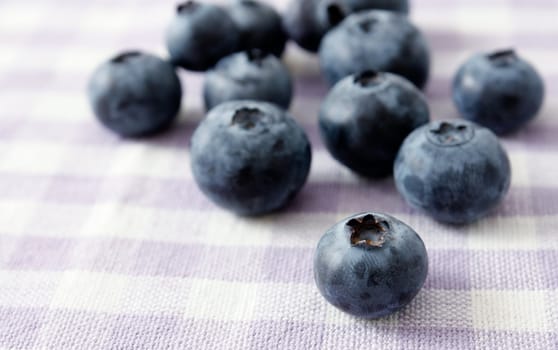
250	75
456	171
370	265
500	91
135	94
307	21
365	118
250	157
260	26
200	35
375	40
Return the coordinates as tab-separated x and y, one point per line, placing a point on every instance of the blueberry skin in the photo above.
307	21
365	118
135	94
250	75
200	35
260	26
500	91
375	40
456	171
370	265
250	157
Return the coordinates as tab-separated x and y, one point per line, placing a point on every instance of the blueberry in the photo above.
370	265
456	171
301	24
377	40
135	94
366	117
200	35
500	91
250	157
307	21
250	75
260	26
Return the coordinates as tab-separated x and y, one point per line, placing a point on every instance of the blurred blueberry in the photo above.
370	265
375	40
365	118
250	75
260	26
456	171
135	93
250	157
200	35
307	21
500	91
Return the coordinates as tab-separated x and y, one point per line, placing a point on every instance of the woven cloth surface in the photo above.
108	244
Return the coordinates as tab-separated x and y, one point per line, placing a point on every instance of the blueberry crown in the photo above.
249	3
247	118
503	57
368	231
335	14
188	6
124	56
367	24
256	56
368	78
450	134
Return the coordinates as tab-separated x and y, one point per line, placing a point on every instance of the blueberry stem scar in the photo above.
246	117
448	134
124	56
368	78
368	231
187	6
250	3
503	57
335	14
367	24
256	55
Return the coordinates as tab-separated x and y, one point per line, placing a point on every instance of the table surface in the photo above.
107	243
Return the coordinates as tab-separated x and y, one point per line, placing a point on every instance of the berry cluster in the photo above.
249	155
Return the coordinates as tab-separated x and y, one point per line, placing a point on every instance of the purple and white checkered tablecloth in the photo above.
107	243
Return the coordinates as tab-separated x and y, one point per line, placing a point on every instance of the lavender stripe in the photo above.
180	194
19	327
439	88
149	258
84	330
537	136
76	5
515	340
462	339
451	40
449	269
311	87
548	265
142	36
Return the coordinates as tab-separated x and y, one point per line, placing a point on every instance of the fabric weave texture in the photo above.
107	243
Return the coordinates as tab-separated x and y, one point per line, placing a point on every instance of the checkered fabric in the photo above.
108	244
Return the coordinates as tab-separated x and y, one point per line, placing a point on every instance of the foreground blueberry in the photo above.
260	26
250	157
250	75
135	94
370	265
500	91
307	21
456	171
375	40
365	118
200	35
